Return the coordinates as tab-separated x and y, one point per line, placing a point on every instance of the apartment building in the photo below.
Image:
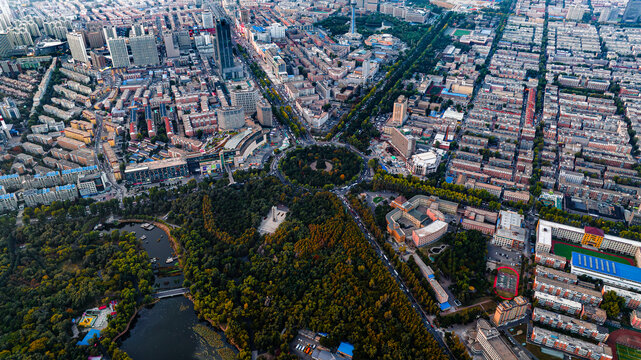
556	275
550	260
570	345
635	320
510	310
632	299
568	291
567	323
557	303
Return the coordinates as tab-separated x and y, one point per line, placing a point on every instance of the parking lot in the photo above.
304	345
503	256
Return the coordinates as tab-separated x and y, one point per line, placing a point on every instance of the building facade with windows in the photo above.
573	325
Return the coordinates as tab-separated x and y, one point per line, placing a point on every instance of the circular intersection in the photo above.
321	166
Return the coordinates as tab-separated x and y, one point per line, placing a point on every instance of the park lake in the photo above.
170	328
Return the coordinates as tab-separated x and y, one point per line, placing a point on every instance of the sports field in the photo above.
565	250
628	353
506	283
461	32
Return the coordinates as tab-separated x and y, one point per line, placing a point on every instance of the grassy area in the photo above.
565	250
520	338
538	353
628	353
377	199
461	32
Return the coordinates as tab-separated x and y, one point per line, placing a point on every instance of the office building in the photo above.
428	273
610	272
118	51
230	117
570	345
425	163
77	46
243	94
494	348
510	310
224	52
632	12
155	171
404	144
264	113
144	50
399	115
277	31
513	238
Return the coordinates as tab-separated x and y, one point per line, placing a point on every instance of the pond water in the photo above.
170	329
156	244
384	26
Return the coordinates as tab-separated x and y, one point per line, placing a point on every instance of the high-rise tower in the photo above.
352	28
76	42
632	12
224	51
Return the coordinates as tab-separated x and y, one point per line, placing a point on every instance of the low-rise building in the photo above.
550	260
430	233
570	345
635	320
156	171
610	272
560	276
567	323
556	303
567	291
632	299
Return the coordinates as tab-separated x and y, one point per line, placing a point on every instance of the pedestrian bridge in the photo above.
170	293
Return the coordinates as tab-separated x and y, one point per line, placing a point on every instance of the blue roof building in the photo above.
610	272
346	349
